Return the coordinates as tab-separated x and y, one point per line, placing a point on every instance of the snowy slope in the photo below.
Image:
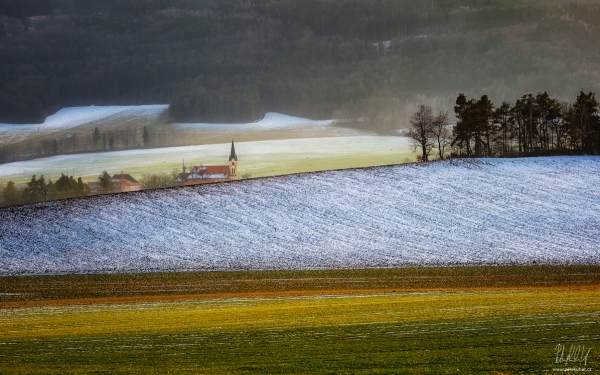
271	126
490	211
72	117
271	120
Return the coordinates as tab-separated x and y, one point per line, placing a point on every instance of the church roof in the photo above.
232	155
211	170
124	182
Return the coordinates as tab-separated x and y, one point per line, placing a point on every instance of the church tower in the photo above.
233	163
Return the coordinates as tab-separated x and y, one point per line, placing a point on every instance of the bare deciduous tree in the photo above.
441	134
421	130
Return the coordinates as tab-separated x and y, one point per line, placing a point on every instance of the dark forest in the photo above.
231	61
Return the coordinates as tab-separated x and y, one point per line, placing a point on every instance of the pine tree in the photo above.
51	189
146	137
584	121
485	109
81	188
502	120
96	137
463	131
105	182
10	194
35	191
42	188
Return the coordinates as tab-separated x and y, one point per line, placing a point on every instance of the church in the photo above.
205	174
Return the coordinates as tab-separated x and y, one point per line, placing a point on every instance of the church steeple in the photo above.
233	163
232	155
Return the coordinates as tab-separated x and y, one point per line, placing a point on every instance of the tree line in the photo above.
77	142
144	51
38	189
533	125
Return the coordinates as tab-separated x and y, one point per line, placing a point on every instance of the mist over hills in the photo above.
231	61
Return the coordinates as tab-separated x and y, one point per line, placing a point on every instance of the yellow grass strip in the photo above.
281	313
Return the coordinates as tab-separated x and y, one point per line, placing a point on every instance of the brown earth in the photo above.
61	290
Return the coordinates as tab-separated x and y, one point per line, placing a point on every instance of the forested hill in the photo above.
232	60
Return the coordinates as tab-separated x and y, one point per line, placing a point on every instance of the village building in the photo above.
204	174
95	187
121	183
125	183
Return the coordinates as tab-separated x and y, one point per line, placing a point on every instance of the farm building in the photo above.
95	187
203	174
121	183
125	183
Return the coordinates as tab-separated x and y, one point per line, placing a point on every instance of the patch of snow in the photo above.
466	212
71	117
271	120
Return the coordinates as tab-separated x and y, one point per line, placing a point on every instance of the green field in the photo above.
480	320
257	158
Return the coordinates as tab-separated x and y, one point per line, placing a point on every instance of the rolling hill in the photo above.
456	212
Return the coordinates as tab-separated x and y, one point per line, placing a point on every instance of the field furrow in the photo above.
479	212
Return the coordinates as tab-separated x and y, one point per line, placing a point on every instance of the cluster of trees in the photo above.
160	180
534	125
125	139
76	142
232	60
38	190
429	132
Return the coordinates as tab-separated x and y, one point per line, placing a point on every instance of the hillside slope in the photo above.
488	211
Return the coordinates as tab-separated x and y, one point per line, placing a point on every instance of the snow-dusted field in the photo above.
72	117
490	211
257	158
271	120
272	126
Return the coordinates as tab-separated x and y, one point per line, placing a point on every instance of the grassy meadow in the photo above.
276	145
256	158
475	320
432	332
